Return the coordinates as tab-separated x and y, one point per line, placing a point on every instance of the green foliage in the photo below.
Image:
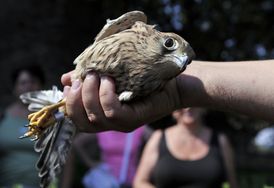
251	179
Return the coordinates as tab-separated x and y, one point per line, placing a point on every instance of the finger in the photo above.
90	97
66	91
108	98
66	78
75	108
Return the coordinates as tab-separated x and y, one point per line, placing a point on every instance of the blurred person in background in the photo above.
116	167
188	154
17	159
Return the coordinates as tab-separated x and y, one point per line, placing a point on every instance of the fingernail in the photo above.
91	75
75	84
105	78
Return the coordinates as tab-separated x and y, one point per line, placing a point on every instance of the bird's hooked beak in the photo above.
183	60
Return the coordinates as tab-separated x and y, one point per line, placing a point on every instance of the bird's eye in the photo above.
170	44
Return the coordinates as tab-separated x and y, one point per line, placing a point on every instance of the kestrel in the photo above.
138	57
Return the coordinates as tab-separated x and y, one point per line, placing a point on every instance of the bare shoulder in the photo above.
154	139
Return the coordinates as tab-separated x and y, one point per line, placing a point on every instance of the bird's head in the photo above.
168	53
176	50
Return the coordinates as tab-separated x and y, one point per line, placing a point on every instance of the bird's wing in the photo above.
122	23
55	142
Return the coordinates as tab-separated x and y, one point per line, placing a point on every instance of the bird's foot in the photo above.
44	118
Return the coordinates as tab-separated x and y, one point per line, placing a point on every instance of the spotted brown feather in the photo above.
139	58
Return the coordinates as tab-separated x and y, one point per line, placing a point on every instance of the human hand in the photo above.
93	104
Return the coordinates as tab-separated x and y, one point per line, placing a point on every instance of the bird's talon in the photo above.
27	134
39	121
35	138
23	136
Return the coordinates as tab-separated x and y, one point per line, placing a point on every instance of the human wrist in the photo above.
191	85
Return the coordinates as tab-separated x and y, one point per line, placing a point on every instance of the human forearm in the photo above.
235	86
244	87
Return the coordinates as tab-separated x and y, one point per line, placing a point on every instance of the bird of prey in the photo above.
141	60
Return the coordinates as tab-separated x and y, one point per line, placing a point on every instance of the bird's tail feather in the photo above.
55	141
54	149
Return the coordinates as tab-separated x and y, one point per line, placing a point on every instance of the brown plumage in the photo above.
139	58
